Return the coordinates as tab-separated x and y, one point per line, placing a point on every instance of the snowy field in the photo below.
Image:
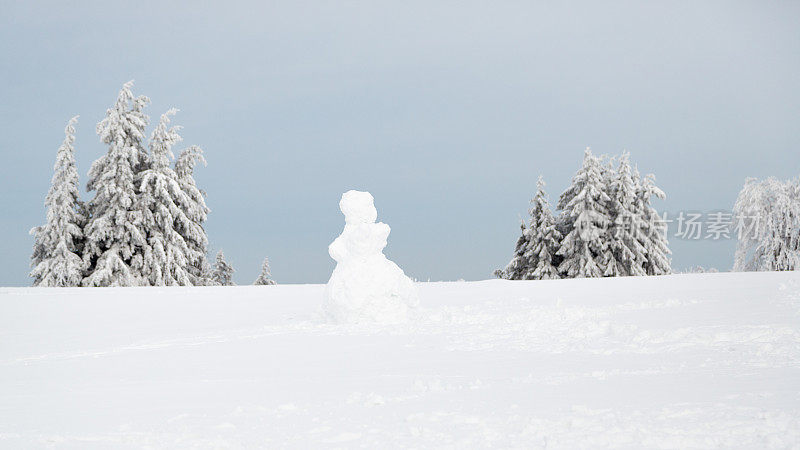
683	361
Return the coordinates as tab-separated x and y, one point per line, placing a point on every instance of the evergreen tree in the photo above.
114	235
585	219
193	206
517	268
166	258
265	277
792	216
223	272
750	209
625	253
58	243
769	212
207	275
652	230
545	239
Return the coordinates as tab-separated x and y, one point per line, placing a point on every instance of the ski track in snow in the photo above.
685	361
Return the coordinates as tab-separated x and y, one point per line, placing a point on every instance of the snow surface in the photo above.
365	286
682	361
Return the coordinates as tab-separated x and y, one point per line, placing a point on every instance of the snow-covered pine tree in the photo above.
652	230
166	258
114	236
770	215
584	219
193	205
223	272
265	277
794	227
625	253
206	275
517	268
56	257
783	249
545	239
750	211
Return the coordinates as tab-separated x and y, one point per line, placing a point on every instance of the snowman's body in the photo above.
365	286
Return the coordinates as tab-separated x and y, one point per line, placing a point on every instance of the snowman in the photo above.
365	286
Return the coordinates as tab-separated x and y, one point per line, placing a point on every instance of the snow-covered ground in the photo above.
683	361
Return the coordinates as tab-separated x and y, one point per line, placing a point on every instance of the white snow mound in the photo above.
365	286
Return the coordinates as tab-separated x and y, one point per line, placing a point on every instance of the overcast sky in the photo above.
446	111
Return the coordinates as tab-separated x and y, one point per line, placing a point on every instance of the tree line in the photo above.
144	223
606	226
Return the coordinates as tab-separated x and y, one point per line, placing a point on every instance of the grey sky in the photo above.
445	111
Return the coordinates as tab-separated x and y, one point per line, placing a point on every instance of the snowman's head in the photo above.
358	207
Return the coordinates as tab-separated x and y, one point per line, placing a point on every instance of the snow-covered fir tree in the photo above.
652	230
768	224
167	255
265	277
545	239
625	254
517	268
207	275
535	252
794	227
791	222
223	272
585	219
114	235
58	243
193	206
